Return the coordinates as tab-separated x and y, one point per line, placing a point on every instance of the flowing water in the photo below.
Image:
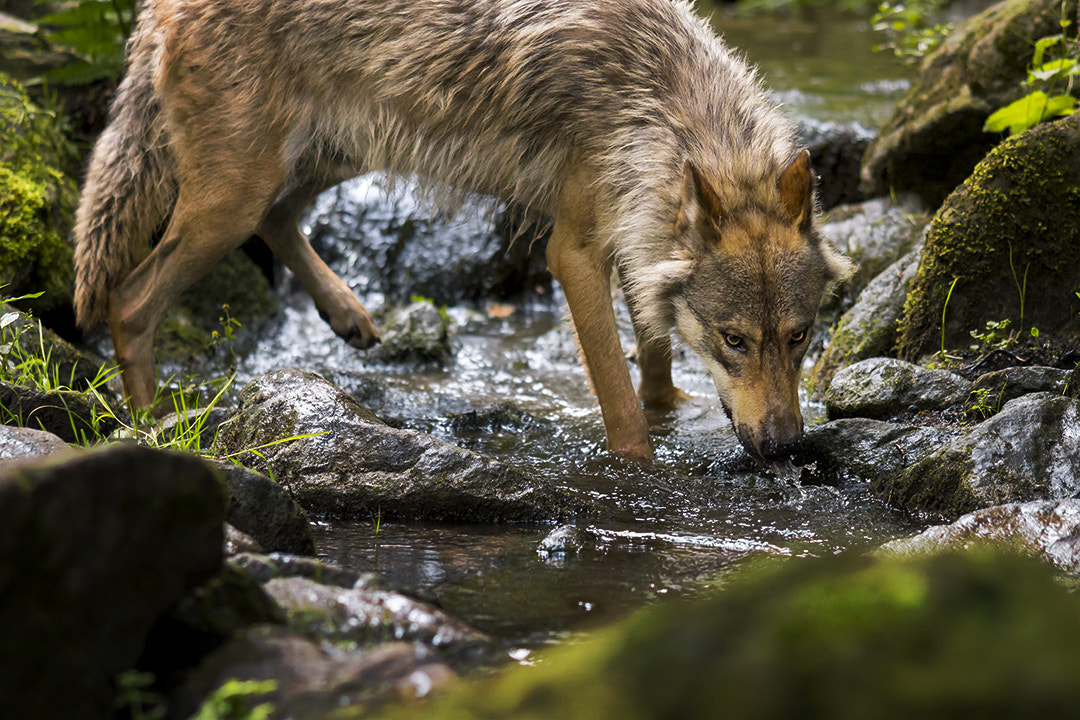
673	526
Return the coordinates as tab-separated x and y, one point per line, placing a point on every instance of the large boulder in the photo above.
866	449
935	137
836	150
352	465
1005	245
70	366
93	548
72	416
392	244
874	235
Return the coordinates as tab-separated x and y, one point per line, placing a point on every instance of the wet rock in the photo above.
22	444
396	247
875	234
356	466
867	449
836	150
1044	527
312	680
261	508
418	333
991	391
973	635
935	137
566	540
1025	452
203	619
92	550
1004	246
869	329
237	542
371	615
277	565
74	417
884	387
502	417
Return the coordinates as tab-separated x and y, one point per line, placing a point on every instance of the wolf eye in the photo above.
733	341
798	336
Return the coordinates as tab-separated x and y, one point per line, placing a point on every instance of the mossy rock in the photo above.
38	196
935	137
960	635
1013	225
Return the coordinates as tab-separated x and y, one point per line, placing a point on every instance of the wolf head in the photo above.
754	277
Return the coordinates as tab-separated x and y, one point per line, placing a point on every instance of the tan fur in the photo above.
626	121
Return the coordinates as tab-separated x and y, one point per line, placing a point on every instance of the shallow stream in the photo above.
673	526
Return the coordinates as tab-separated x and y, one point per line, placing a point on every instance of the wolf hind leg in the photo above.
214	213
656	390
334	299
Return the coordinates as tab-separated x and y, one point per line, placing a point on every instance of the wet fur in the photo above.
234	114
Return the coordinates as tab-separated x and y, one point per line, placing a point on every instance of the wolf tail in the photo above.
129	190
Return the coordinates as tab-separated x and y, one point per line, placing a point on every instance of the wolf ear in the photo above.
699	205
797	190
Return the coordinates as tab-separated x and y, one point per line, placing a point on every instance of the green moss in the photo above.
973	635
38	197
1019	212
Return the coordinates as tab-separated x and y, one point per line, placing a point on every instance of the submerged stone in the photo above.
310	679
368	615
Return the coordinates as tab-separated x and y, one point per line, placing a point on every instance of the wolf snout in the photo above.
772	443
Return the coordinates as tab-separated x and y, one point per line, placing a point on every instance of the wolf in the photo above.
650	145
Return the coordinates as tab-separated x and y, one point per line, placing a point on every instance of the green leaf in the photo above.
1044	44
1029	111
1053	69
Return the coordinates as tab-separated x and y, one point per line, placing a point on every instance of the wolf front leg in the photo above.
657	391
584	273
